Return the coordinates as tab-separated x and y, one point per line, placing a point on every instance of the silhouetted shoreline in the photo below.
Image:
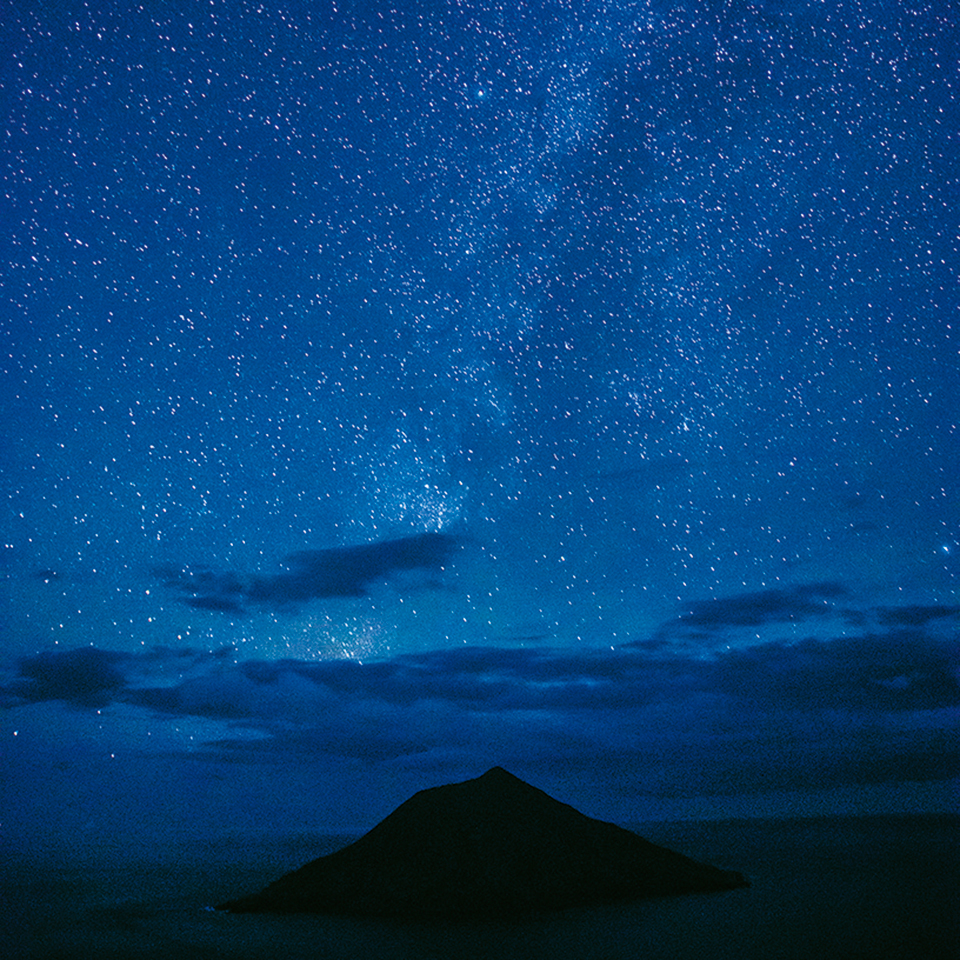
881	886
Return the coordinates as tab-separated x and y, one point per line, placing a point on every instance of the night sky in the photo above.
392	390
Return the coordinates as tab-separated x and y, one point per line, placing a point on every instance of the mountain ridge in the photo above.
493	846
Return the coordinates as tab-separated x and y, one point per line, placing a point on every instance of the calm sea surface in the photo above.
878	888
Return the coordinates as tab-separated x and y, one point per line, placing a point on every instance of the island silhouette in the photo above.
489	847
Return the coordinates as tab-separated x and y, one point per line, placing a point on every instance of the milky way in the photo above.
371	333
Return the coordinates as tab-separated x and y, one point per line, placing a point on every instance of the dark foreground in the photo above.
849	889
489	848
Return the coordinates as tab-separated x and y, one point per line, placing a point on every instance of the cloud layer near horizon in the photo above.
862	709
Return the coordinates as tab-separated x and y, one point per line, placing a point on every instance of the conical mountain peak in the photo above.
498	773
488	847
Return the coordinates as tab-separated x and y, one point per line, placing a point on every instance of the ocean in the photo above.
874	888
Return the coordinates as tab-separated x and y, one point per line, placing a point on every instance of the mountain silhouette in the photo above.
490	847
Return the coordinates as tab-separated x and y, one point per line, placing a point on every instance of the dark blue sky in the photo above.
395	390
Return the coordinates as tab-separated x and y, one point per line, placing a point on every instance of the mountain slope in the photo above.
493	846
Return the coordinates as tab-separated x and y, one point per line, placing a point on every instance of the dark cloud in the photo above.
497	678
214	698
893	672
814	713
312	574
86	677
916	616
902	670
348	571
199	579
217	603
761	607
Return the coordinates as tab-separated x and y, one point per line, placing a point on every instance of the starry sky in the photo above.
396	389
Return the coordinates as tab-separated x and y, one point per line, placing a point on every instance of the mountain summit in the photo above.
490	847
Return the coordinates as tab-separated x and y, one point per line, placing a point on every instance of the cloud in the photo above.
347	571
899	671
782	715
213	602
85	677
312	574
893	672
761	607
215	697
917	616
684	725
